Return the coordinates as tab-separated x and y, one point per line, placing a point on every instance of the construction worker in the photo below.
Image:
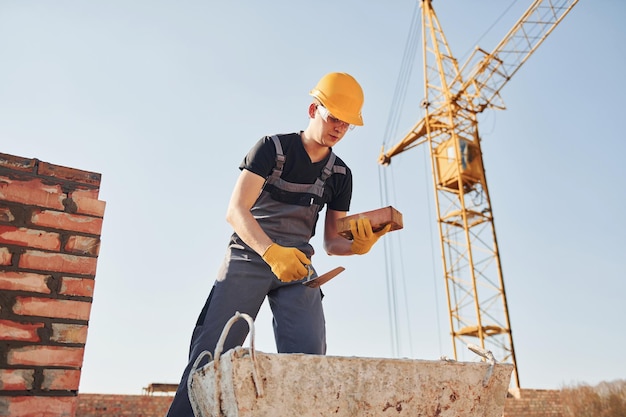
285	181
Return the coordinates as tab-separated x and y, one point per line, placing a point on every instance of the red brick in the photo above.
67	221
69	333
32	192
40	355
83	245
44	261
39	406
16	379
5	256
32	238
6	215
60	379
49	307
379	218
23	332
90	206
77	286
71	174
24	281
17	163
90	193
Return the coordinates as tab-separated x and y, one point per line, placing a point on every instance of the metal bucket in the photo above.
245	383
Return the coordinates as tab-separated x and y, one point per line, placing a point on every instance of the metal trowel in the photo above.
324	278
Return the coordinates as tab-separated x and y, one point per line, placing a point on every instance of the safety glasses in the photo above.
327	117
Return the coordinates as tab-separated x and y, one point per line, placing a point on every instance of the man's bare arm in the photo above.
245	193
334	243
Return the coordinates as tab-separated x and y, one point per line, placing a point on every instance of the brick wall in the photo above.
534	403
50	224
530	403
101	405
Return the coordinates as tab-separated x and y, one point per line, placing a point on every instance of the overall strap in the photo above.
280	158
329	169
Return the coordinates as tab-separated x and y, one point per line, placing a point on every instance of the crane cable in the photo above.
391	129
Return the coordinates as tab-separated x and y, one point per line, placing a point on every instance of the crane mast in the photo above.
476	297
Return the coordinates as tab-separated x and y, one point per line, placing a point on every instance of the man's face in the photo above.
331	129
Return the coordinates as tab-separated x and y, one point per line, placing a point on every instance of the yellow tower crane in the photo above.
474	284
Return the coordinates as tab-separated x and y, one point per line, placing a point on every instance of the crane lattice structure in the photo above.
477	304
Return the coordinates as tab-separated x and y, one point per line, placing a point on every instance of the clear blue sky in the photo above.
164	98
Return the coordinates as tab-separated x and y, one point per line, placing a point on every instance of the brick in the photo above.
67	221
83	245
32	238
5	256
32	192
23	332
49	307
40	355
44	261
82	287
33	406
70	174
89	206
379	218
6	215
69	333
17	163
88	193
24	281
16	379
60	379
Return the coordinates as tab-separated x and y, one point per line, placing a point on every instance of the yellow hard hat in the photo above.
342	95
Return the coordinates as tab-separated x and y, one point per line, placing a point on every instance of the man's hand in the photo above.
363	237
288	264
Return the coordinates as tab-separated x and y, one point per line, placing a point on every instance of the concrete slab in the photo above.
245	383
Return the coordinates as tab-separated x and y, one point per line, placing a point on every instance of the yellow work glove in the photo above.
288	264
363	237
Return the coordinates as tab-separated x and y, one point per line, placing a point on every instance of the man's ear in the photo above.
312	110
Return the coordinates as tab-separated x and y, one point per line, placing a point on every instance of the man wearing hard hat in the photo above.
285	181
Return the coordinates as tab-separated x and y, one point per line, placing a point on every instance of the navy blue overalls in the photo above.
244	279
